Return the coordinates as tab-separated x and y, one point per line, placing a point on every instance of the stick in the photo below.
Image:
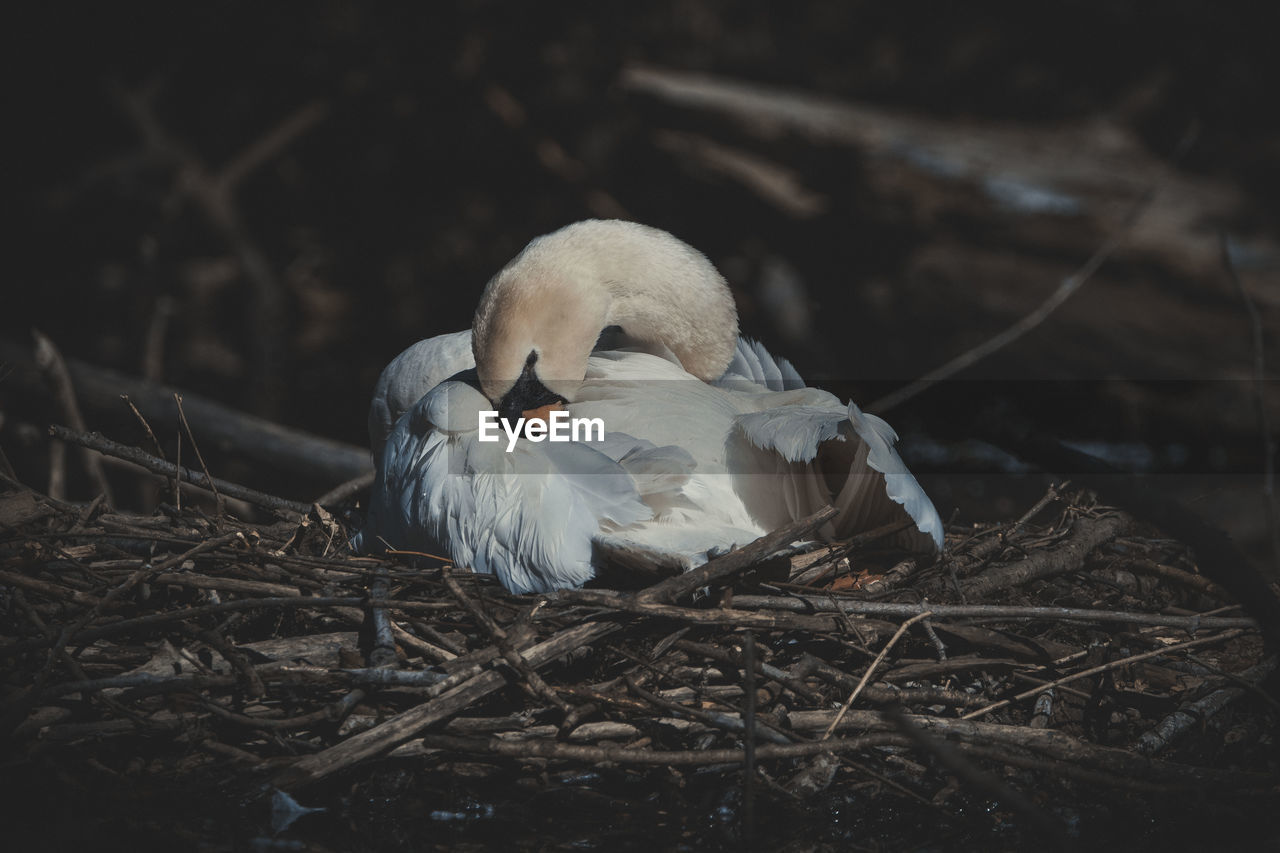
675	758
406	724
1106	667
866	676
536	687
342	491
167	469
986	612
254	438
213	484
1089	533
64	392
737	560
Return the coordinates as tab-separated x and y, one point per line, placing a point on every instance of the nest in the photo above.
841	695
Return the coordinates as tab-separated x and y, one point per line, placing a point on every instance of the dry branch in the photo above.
253	438
192	631
168	469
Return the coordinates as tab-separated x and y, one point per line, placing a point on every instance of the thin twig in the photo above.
866	676
213	484
535	685
167	469
1106	667
1002	612
59	379
1030	321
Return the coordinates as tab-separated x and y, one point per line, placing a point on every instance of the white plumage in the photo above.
688	468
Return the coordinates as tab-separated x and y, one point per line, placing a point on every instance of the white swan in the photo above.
709	441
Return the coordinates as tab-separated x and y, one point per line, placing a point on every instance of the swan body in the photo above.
709	441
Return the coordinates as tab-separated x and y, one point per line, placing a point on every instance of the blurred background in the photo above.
261	204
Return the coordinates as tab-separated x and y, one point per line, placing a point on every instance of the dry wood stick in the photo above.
769	671
733	722
1069	556
866	676
51	363
1199	583
332	713
1194	713
675	758
408	723
826	604
742	618
737	560
538	688
342	491
383	652
167	469
213	483
253	437
1106	667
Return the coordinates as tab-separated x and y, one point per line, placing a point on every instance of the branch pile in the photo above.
269	656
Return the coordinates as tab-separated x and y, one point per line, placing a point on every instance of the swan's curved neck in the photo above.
660	290
549	305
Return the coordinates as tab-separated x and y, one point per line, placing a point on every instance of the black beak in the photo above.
528	393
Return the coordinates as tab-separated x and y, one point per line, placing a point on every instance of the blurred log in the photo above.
279	447
1090	170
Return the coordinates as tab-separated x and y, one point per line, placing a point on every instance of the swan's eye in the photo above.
610	337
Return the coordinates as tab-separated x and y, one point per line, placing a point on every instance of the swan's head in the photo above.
532	336
540	317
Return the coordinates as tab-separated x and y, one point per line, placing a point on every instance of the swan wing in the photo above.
830	453
900	484
411	374
528	516
754	364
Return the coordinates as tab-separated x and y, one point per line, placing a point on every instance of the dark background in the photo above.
450	134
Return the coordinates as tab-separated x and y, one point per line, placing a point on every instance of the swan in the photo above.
708	441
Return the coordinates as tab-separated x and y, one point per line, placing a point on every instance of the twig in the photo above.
1195	713
253	438
292	127
1030	321
737	560
1106	667
342	491
213	484
383	653
677	758
59	379
795	685
408	723
213	195
893	610
534	683
159	466
332	713
748	736
721	616
1069	556
866	676
735	722
155	442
